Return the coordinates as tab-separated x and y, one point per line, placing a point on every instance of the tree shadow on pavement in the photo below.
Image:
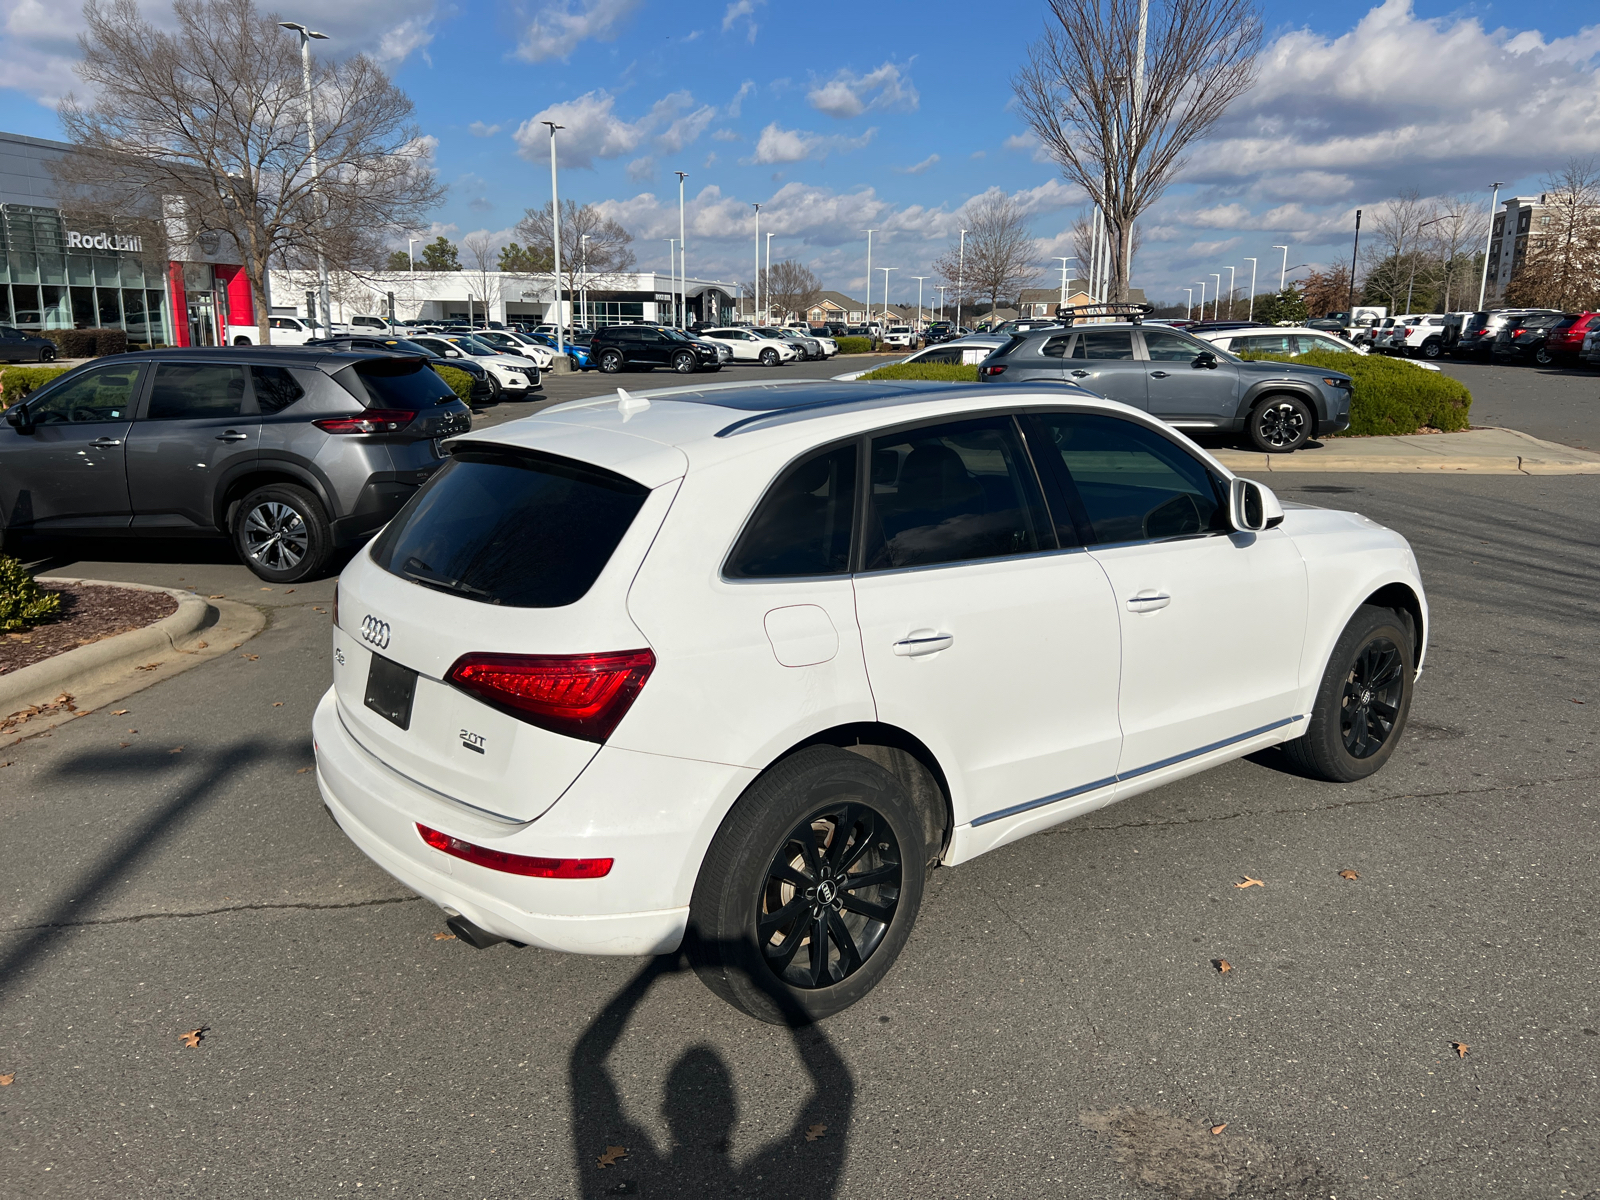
701	1111
76	900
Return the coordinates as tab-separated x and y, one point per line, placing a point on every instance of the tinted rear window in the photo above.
395	383
499	527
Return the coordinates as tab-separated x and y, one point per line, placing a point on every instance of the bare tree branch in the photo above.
595	250
999	252
793	286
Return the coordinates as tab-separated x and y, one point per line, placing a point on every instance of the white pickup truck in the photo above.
286	331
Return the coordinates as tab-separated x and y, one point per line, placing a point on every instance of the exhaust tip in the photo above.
466	931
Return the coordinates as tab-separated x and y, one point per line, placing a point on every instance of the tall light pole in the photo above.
1283	272
886	271
672	260
919	279
555	232
961	267
1064	259
1216	293
1202	284
769	273
683	257
1188	304
306	35
583	278
410	242
1350	300
941	288
1483	285
1251	315
755	301
1412	283
869	233
1230	293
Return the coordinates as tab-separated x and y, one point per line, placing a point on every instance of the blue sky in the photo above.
894	118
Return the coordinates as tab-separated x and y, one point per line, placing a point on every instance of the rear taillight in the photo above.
374	420
336	604
579	695
516	864
991	372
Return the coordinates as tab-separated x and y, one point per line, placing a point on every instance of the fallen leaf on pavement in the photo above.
1347	873
444	937
612	1154
119	712
302	770
814	1132
314	608
266	589
216	596
1575	701
1216	1129
290	590
5	1080
277	704
1248	882
148	667
251	657
120	746
1222	965
1460	1048
176	750
194	1037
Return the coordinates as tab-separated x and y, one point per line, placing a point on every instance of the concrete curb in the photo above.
76	671
1484	451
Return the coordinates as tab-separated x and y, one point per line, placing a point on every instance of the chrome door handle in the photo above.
233	435
1158	374
1080	374
1148	601
923	641
106	443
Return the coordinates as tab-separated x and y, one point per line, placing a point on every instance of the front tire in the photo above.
1363	700
281	533
1280	424
769	357
47	354
683	363
823	853
611	361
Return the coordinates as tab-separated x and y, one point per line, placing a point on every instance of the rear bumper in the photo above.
653	815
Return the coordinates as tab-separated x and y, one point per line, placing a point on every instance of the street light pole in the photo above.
672	260
1283	274
769	272
1202	284
1064	259
555	232
886	271
919	279
869	233
683	257
941	288
1188	304
961	268
410	242
306	35
1350	300
755	301
1488	240
583	280
1230	293
1216	293
1251	315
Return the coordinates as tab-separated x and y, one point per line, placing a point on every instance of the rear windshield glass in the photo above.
395	383
501	527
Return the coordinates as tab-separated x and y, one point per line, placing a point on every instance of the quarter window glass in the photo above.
276	389
1135	485
1107	343
1169	347
1272	343
802	526
105	394
941	355
1056	347
196	390
951	493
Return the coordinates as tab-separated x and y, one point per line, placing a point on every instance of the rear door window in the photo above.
1106	343
1162	346
195	391
517	529
802	525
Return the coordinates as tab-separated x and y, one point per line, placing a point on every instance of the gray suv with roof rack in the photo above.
1188	383
292	453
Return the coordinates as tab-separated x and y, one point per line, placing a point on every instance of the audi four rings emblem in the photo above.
375	631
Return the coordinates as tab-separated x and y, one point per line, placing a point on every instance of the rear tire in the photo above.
778	876
281	533
1543	357
1432	348
1280	424
1362	702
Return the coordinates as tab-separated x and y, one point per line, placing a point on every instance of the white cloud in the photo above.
747	88
919	168
726	135
850	95
556	29
642	170
1027	144
594	130
479	129
742	10
779	145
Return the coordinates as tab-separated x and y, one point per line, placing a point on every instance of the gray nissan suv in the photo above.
1188	383
293	453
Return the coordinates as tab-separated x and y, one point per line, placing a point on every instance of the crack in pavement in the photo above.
209	912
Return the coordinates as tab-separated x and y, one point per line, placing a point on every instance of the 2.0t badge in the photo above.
375	631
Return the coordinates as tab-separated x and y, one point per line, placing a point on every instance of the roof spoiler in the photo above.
1136	313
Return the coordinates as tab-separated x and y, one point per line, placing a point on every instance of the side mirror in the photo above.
1205	360
452	354
18	418
1252	507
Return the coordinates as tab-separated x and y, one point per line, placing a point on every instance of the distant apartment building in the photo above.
1519	218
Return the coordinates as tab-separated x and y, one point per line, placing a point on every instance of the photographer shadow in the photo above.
701	1110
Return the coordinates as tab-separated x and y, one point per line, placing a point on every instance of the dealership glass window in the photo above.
156	308
25	303
83	312
110	310
5	306
80	269
107	272
52	269
24	267
57	310
133	317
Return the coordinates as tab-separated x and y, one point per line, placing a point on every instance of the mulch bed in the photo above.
88	613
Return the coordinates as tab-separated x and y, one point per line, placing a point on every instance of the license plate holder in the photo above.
391	689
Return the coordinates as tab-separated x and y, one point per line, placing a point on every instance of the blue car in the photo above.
578	352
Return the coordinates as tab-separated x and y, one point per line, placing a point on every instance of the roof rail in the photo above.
1134	312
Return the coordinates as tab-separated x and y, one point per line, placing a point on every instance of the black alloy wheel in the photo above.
769	357
1373	690
1543	357
47	354
1359	715
683	362
831	889
1280	424
611	361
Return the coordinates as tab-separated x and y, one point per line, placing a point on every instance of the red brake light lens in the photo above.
991	372
516	864
374	420
579	695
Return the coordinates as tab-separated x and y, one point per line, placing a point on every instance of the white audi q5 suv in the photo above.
732	667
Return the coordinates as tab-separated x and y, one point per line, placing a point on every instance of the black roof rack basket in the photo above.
1136	313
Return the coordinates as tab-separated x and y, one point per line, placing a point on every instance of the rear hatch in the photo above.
483	646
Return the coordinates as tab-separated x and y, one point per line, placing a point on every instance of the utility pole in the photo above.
683	256
1350	300
1251	315
1284	273
1483	285
869	233
555	232
961	267
755	301
306	35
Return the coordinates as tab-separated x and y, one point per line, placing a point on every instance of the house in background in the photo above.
837	308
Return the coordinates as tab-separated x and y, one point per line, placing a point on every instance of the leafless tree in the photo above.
1394	249
1455	239
794	287
483	270
594	248
1083	242
1561	268
208	125
1119	132
998	261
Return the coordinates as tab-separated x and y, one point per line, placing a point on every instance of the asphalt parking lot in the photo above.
1056	1027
